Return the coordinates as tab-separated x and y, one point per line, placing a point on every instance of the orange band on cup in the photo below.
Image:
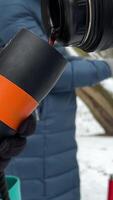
15	104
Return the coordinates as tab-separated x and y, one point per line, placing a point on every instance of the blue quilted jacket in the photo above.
48	166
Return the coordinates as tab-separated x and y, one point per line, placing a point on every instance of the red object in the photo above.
52	38
110	188
51	41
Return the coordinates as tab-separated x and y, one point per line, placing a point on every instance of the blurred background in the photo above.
95	134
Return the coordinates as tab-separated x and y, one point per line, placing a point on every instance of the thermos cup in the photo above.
29	68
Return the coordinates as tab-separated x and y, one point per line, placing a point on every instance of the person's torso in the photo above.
48	166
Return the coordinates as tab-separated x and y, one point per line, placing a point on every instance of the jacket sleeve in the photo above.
81	72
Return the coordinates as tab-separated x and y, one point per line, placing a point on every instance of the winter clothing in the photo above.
13	145
109	61
48	166
8	148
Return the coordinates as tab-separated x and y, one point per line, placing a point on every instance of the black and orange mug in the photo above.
29	68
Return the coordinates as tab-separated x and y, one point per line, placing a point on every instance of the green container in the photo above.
14	188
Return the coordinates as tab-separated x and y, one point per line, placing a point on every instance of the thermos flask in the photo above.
86	24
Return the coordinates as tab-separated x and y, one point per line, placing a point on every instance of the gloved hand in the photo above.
13	145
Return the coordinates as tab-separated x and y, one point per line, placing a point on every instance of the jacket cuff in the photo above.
109	62
64	84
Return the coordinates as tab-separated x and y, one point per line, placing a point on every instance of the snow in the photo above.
96	164
108	85
86	124
95	155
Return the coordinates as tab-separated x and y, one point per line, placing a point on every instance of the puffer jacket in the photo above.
48	166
